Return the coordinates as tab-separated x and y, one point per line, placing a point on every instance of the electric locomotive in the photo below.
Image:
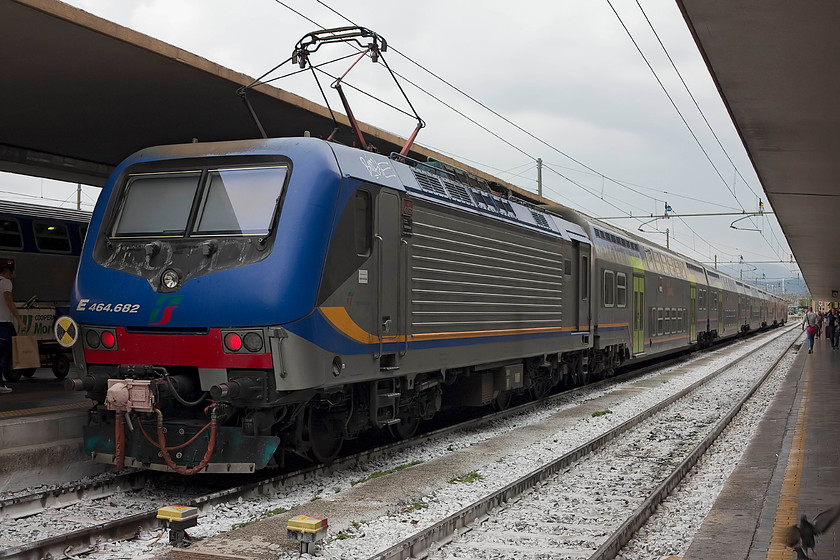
240	301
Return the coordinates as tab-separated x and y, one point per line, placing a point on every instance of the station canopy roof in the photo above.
775	66
80	93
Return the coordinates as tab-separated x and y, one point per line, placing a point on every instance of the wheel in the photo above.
405	429
13	375
502	400
60	365
27	372
540	382
326	434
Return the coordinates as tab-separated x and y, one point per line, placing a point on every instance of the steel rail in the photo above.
417	545
610	548
68	494
87	539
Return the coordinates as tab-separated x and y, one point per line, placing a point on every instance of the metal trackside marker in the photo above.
66	331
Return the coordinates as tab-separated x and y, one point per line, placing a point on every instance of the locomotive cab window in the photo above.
363	223
52	237
240	201
156	204
584	277
10	237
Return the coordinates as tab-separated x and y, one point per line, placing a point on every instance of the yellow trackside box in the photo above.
177	513
306	524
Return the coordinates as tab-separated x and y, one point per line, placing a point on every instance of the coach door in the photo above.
638	314
389	284
692	315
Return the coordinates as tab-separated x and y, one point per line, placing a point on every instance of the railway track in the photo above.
589	502
87	538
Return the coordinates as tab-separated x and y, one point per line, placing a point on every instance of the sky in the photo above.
559	80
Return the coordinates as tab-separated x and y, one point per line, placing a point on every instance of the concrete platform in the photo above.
41	433
791	468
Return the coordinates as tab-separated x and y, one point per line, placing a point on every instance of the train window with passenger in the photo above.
240	201
363	223
52	237
621	289
609	288
10	237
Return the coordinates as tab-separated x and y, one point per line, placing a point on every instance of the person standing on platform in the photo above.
836	340
831	326
809	323
819	323
8	313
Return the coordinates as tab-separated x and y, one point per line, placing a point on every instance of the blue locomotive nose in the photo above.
186	245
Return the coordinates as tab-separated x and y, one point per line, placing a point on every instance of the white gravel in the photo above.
370	535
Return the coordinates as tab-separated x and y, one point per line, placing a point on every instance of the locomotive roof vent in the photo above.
540	219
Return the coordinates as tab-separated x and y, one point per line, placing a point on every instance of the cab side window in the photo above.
363	223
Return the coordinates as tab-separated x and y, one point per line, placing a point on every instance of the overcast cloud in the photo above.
564	70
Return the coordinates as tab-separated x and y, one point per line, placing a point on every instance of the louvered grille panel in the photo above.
459	193
470	275
429	183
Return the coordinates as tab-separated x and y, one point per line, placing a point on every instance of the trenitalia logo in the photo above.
162	312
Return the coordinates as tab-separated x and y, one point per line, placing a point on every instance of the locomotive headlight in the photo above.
253	342
170	279
92	339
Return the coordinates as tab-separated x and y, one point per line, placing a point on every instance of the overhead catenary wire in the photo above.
505	119
682	117
693	99
484	106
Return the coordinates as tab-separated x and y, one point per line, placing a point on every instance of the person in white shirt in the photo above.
8	313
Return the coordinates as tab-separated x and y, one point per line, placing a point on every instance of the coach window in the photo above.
667	321
584	277
52	237
621	289
363	223
10	237
659	321
652	321
701	299
609	288
714	301
567	267
682	325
